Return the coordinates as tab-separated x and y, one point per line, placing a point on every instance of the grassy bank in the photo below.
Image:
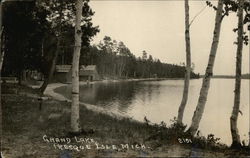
30	130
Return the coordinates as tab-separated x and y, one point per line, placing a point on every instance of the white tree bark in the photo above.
236	107
188	66
1	60
75	120
1	39
2	57
209	72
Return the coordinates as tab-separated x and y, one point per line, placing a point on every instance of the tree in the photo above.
75	120
1	62
115	55
1	39
56	26
209	72
122	57
60	15
144	55
24	31
188	65
52	68
236	107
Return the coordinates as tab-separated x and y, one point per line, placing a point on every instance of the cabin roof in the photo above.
84	70
63	68
87	70
88	67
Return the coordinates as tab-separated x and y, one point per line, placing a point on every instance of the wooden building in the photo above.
63	73
88	73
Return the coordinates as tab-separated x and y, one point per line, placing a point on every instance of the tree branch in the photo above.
197	15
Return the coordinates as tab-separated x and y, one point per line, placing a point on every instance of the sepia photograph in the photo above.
124	78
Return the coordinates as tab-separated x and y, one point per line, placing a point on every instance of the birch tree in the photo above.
188	65
1	38
236	107
209	71
1	63
60	15
75	120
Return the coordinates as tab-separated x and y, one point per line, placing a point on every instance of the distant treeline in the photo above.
243	76
115	60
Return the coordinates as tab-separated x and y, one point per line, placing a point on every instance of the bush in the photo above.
175	133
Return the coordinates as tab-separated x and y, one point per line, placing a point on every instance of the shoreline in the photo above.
99	109
59	97
28	126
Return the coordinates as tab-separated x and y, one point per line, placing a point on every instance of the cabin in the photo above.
88	73
62	73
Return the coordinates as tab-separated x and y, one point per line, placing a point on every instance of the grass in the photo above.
24	126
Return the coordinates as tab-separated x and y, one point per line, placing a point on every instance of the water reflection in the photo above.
159	101
112	95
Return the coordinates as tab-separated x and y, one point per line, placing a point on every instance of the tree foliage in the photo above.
34	27
231	6
24	28
115	60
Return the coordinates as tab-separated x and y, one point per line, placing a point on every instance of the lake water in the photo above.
159	101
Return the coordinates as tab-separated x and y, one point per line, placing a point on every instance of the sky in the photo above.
158	28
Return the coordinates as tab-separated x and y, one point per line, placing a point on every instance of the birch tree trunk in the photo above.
75	122
2	57
188	66
209	72
1	39
236	107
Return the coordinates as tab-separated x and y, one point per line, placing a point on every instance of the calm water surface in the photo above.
159	101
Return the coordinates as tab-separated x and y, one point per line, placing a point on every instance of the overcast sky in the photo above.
158	28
